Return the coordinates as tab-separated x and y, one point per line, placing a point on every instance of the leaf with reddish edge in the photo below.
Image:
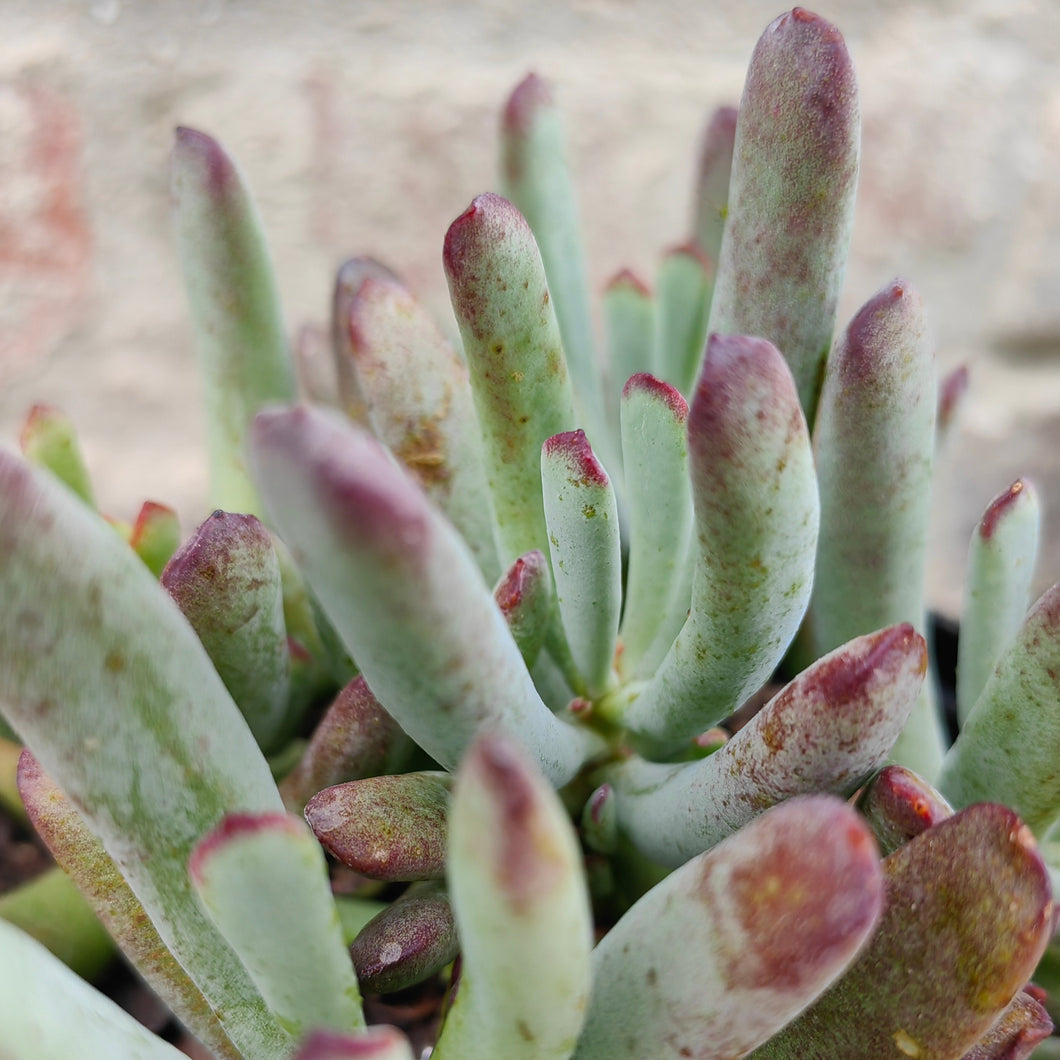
82	857
1022	1025
536	179
356	738
419	404
998	587
48	440
403	591
751	467
682	293
247	868
710	204
517	885
655	454
730	947
128	709
1010	742
155	535
235	308
226	581
952	391
515	356
629	324
388	827
411	939
875	441
947	956
50	1013
581	514
827	730
373	1043
524	595
898	805
791	196
600	821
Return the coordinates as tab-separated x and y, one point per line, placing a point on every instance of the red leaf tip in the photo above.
237	826
628	279
331	1045
574	447
660	390
531	94
1001	505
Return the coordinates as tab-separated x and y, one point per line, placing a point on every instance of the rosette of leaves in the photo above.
529	583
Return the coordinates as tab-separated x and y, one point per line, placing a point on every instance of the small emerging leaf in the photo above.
898	805
155	535
524	595
48	440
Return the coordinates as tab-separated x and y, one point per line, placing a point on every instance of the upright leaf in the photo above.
710	201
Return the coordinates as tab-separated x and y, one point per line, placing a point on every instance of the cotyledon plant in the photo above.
539	589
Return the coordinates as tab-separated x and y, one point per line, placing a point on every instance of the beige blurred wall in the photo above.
365	127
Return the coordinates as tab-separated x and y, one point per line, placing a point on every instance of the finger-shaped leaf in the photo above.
710	205
419	403
1016	1032
1009	746
515	355
1000	566
411	939
246	869
524	595
226	581
791	196
373	1043
537	181
581	514
50	1013
155	535
235	308
655	453
48	439
828	730
751	467
947	956
356	738
127	709
600	820
682	292
898	805
518	889
402	590
389	828
83	858
731	946
952	390
629	324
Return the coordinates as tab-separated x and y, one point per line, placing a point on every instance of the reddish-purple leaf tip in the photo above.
829	32
599	800
627	279
660	390
473	237
527	568
951	390
692	251
237	826
372	1042
199	148
998	508
531	94
573	446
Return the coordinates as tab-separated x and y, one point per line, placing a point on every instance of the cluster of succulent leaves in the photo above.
528	590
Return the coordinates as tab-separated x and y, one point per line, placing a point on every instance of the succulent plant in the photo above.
607	679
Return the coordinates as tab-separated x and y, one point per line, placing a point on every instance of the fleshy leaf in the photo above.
682	293
518	889
828	730
373	1043
791	196
83	858
388	828
50	1013
245	870
155	535
711	199
515	355
403	591
418	400
356	738
728	948
411	939
1000	566
952	390
581	514
127	709
1018	1029
947	956
1009	745
751	466
226	581
524	595
655	454
629	321
898	805
48	439
235	308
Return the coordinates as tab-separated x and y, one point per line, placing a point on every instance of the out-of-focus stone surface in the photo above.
365	127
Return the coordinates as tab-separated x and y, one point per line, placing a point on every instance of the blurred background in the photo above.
367	126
